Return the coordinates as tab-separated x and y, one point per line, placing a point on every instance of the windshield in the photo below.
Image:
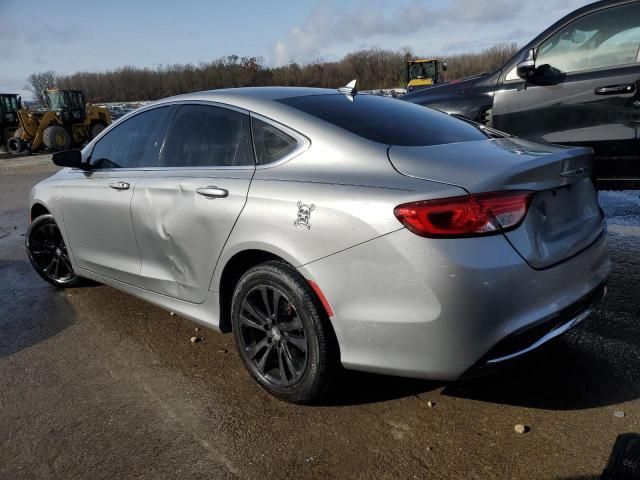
387	120
422	70
56	100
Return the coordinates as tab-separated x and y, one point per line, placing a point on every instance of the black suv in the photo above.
577	83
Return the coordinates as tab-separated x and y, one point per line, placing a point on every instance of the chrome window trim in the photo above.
171	104
303	143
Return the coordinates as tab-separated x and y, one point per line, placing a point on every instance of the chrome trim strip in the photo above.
551	335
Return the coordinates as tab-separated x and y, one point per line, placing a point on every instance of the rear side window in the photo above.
271	143
132	144
208	136
387	120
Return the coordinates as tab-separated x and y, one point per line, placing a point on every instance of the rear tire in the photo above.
48	254
282	333
56	138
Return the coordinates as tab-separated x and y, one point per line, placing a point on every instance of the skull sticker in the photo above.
304	215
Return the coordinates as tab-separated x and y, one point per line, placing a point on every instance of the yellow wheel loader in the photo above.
68	121
424	73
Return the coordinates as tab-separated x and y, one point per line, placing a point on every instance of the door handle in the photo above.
616	89
119	185
212	191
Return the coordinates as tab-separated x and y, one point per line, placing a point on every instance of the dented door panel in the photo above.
181	232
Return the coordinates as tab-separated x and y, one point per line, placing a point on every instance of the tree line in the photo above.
374	68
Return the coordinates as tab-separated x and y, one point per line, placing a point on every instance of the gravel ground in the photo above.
97	384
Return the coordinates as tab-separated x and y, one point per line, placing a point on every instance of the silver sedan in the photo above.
330	228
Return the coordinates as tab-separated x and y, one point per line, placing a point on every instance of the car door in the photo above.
96	204
585	91
184	211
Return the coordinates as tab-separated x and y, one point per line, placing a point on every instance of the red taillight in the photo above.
466	216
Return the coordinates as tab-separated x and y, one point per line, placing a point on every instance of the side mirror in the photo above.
526	68
70	158
444	66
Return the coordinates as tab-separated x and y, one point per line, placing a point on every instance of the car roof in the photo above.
250	98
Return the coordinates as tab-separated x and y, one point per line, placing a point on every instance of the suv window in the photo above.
208	136
271	143
132	143
603	39
387	120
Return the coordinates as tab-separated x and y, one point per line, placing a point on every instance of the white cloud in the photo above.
458	26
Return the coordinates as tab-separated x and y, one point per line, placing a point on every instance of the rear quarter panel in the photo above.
349	191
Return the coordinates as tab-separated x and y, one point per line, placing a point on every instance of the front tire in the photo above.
15	145
56	138
48	253
282	333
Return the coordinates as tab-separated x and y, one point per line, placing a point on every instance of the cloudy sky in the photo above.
73	35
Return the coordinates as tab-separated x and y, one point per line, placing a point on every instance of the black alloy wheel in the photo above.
273	336
48	253
283	334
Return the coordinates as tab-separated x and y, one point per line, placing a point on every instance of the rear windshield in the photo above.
387	120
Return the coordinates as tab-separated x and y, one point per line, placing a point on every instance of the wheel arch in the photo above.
239	263
38	209
233	270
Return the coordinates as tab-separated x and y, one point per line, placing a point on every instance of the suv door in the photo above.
184	210
585	91
96	205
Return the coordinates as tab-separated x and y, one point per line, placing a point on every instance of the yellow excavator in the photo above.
424	73
67	121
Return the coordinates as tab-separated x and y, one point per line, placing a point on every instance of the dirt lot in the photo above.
97	384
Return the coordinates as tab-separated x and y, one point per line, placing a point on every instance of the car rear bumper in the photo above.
520	343
427	308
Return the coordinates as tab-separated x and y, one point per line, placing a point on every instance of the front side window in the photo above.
603	39
132	144
271	143
208	136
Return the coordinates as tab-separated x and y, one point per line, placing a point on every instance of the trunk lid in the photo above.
564	217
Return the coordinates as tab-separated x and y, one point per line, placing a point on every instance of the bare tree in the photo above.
37	83
374	68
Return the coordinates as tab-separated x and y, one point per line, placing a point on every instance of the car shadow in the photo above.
359	388
31	310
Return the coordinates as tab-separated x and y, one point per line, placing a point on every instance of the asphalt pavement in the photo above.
97	384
